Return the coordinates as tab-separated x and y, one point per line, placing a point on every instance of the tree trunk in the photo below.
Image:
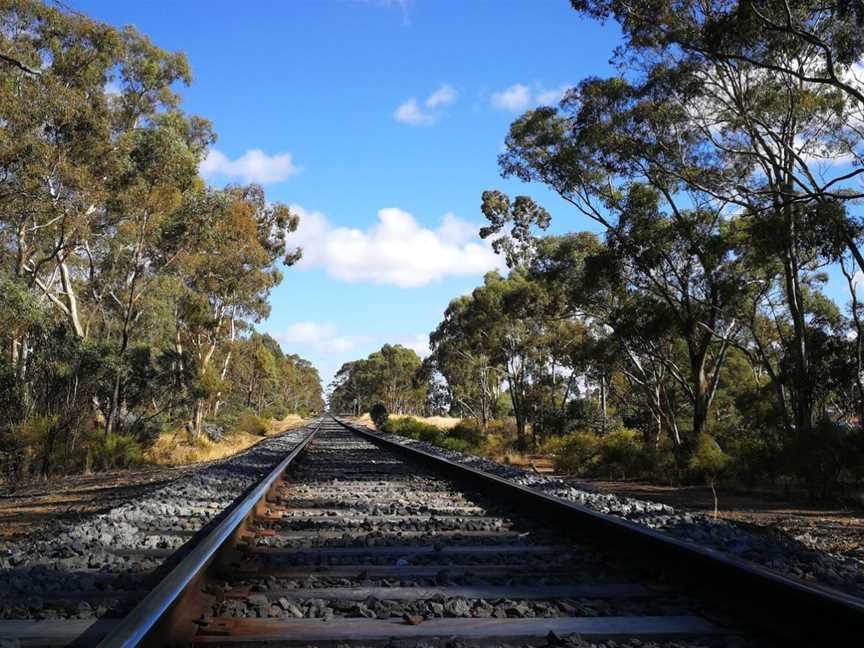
802	397
603	401
700	399
197	419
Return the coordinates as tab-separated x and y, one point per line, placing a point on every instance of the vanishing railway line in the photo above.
356	540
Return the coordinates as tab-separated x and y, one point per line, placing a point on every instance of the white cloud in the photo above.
552	96
455	230
443	96
412	113
419	343
515	98
857	280
519	97
323	338
253	166
395	250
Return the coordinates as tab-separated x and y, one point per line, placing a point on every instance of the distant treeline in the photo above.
128	287
387	376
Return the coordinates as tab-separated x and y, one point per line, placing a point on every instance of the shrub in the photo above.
459	445
117	451
147	429
414	429
709	461
755	458
583	414
467	431
250	423
575	453
379	415
275	412
656	462
501	434
819	456
620	452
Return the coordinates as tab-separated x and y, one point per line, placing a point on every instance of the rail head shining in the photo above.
144	616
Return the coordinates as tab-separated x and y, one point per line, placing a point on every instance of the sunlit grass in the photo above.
176	449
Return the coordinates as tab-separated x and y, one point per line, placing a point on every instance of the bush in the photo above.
583	414
501	434
278	412
756	459
620	453
575	453
379	415
214	432
414	429
147	429
249	423
820	457
459	445
709	461
467	431
117	451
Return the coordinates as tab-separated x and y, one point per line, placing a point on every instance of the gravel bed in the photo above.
107	553
260	605
553	640
784	555
325	502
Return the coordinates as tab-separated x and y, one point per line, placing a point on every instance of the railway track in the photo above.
356	540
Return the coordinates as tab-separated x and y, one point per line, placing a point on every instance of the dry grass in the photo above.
363	419
441	422
176	449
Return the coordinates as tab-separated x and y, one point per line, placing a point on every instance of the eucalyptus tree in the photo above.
300	385
772	91
228	277
461	355
603	153
386	376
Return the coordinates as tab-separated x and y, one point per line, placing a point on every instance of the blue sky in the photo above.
381	122
345	108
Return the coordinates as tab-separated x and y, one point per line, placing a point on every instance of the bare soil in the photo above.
834	529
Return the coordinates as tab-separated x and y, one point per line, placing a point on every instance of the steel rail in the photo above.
765	597
136	625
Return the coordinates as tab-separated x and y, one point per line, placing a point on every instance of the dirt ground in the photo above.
828	528
37	504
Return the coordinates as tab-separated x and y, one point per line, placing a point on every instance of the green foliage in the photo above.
414	429
117	451
379	414
390	376
278	411
250	423
468	431
708	460
458	445
620	452
827	457
128	288
575	453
